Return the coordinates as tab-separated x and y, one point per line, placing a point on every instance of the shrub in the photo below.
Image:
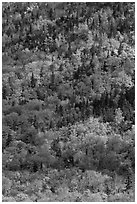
6	185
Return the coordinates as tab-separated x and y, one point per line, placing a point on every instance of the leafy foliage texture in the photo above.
68	101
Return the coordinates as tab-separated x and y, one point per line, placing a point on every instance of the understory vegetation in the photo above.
68	102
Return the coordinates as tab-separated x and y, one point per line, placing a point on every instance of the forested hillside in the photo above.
68	101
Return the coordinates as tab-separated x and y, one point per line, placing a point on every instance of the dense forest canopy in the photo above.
68	87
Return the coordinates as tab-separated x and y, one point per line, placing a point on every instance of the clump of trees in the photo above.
68	87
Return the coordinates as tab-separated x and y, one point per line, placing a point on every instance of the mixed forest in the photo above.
68	102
